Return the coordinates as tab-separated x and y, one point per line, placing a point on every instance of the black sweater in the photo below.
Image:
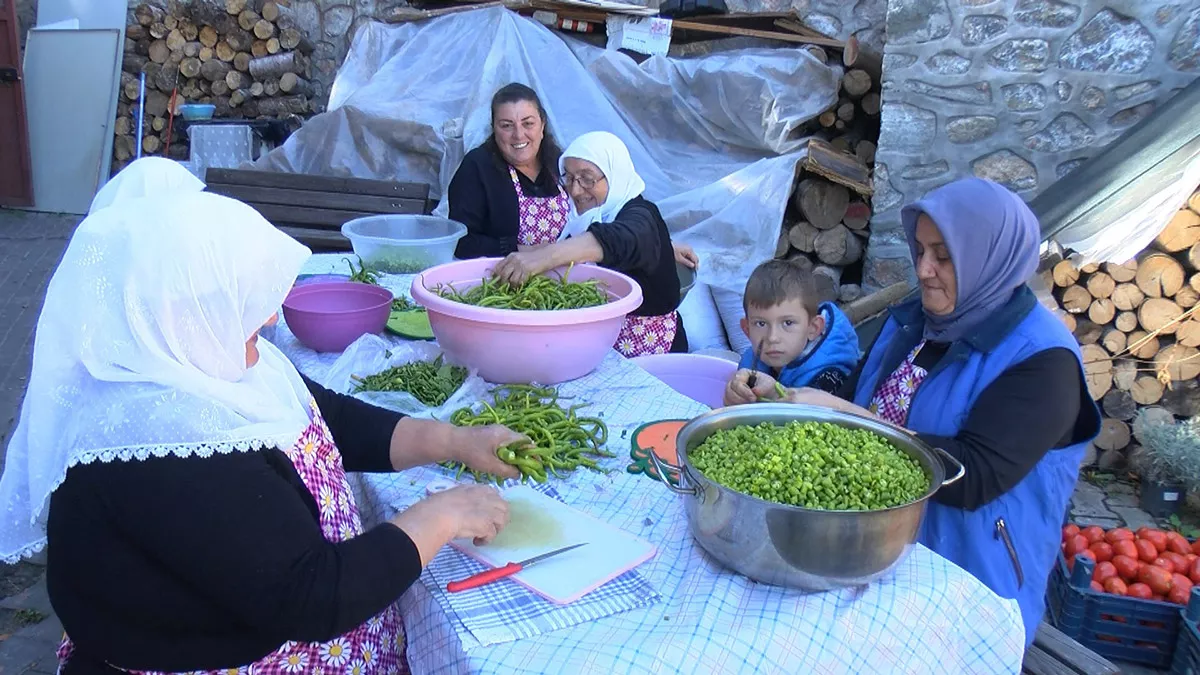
1030	409
637	243
482	197
178	564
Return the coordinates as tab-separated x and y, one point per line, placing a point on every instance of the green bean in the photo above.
364	274
537	293
816	465
430	382
560	441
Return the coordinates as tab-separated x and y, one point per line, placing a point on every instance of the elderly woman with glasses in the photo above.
613	225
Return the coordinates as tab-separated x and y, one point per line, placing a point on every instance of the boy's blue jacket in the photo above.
836	348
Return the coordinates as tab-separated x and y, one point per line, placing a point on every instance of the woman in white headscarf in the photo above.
146	177
190	483
613	225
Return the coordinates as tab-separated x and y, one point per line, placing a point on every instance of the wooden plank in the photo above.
318	240
409	14
840	167
327	219
1062	648
1038	662
320	200
300	181
747	32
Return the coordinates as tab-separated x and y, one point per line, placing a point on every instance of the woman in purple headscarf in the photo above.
979	368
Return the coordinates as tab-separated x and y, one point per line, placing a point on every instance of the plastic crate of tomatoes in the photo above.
1119	592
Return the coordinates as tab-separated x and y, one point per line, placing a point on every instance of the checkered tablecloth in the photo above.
928	617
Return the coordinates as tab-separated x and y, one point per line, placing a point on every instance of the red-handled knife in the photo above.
477	580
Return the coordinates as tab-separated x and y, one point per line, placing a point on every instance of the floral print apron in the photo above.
541	219
894	398
377	646
642	335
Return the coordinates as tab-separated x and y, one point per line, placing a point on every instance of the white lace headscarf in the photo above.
140	349
611	156
146	177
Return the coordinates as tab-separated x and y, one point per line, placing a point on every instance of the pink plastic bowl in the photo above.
517	346
700	378
329	316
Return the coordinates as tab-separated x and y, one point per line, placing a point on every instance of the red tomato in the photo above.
1103	571
1194	571
1178	596
1118	534
1069	531
1101	551
1164	563
1181	563
1125	547
1077	544
1095	586
1196	547
1156	537
1145	549
1093	533
1139	590
1192	557
1157	578
1127	568
1176	543
1180	581
1115	586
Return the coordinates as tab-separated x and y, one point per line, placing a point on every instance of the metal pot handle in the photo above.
662	467
962	470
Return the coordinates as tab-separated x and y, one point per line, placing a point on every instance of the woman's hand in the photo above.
685	255
816	397
517	268
738	390
475	511
476	447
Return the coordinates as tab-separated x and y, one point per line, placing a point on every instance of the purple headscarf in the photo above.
993	240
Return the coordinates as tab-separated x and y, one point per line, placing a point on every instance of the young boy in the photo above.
798	342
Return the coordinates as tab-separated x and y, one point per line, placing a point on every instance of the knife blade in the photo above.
497	573
753	378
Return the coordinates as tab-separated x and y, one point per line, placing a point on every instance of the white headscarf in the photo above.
611	156
140	349
146	177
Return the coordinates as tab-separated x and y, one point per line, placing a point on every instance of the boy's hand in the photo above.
738	390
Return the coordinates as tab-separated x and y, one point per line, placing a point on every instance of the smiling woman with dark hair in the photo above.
507	192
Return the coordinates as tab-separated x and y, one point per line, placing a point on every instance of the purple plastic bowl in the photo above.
329	316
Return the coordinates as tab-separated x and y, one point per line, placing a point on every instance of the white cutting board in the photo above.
539	524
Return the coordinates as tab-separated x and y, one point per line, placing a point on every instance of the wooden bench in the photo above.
313	208
1053	653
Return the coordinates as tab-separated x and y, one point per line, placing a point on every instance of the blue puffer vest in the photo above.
1030	515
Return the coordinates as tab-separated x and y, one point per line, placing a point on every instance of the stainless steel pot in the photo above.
792	546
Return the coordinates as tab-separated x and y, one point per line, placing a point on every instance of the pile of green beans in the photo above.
402	304
815	465
430	382
538	293
560	441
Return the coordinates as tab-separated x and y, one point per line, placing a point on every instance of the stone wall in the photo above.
863	19
1017	91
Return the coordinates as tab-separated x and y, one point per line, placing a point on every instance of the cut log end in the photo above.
1065	274
1114	435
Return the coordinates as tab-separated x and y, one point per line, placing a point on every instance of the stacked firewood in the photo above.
826	226
1138	326
248	58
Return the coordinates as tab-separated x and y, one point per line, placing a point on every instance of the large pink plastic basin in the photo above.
329	316
698	377
517	346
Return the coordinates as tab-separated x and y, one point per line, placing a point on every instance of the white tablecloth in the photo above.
929	617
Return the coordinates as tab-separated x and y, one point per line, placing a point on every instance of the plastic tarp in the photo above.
716	138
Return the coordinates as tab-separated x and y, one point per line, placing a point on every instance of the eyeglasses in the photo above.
585	182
